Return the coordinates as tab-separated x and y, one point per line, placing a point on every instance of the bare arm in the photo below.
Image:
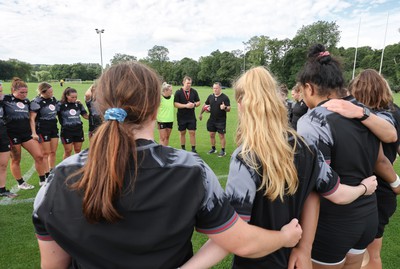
207	256
251	241
244	240
32	122
52	256
384	169
300	256
346	194
201	112
380	127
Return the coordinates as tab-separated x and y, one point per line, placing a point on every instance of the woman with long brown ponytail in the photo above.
129	202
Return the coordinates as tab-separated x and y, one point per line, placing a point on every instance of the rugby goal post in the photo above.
73	80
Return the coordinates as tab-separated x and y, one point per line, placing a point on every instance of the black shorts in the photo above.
387	204
336	236
19	138
4	140
187	124
46	131
71	136
214	126
165	125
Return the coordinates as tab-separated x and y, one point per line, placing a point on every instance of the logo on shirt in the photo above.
72	112
52	107
20	105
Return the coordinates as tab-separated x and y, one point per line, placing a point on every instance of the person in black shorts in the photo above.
4	151
274	174
165	115
218	105
94	117
299	107
186	99
370	88
129	202
344	231
44	124
69	113
17	118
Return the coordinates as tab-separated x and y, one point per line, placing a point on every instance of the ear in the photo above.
309	88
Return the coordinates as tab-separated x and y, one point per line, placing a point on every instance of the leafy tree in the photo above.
257	48
120	58
42	75
185	67
60	71
6	70
21	69
157	58
323	32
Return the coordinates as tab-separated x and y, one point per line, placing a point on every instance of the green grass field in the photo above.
18	246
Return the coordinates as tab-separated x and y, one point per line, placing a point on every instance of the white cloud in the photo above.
58	31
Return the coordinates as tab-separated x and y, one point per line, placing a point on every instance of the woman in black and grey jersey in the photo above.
44	124
370	88
344	231
16	115
69	112
4	151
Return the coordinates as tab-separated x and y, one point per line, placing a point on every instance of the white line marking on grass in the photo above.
222	176
15	189
14	202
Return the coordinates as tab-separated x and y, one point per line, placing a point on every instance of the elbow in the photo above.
391	136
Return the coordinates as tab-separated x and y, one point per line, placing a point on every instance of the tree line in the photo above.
284	58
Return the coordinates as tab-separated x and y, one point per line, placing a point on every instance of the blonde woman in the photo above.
274	174
165	115
43	120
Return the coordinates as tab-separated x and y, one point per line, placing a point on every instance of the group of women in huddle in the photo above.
33	126
308	195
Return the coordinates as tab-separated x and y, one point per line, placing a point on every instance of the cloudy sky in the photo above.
63	31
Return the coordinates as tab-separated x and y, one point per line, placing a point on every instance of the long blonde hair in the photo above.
263	132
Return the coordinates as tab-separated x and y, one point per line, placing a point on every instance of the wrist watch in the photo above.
366	113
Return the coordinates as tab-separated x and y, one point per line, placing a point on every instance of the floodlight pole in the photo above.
99	32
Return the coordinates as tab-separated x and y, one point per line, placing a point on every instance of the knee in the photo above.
38	157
